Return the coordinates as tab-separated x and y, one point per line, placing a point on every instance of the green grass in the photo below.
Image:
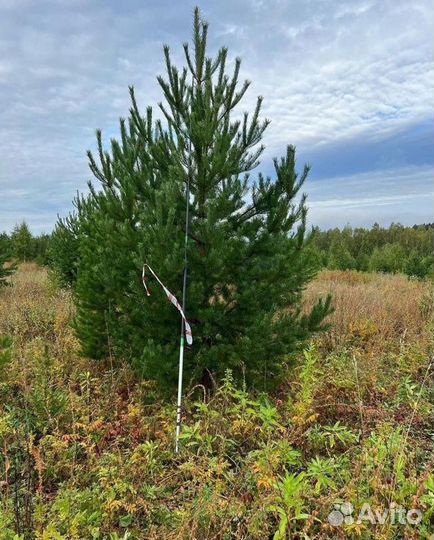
87	449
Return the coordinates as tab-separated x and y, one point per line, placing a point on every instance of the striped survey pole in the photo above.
183	320
185	326
185	331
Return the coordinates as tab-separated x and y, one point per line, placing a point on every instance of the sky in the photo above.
349	82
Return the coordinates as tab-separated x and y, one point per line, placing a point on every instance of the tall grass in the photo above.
380	306
86	449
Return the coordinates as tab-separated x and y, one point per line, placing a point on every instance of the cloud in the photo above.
386	196
342	80
350	69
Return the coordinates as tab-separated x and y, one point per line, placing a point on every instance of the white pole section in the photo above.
179	400
181	343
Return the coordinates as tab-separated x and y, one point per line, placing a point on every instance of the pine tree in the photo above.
100	285
40	249
7	268
22	242
247	263
5	272
63	250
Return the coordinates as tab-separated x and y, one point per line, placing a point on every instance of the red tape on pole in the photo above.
172	299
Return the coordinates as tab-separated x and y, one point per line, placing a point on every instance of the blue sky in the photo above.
348	82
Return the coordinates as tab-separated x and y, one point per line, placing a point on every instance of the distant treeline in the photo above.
394	249
22	246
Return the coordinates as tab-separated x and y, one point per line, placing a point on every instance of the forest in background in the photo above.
393	249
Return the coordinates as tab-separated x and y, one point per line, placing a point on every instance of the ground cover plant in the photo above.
87	448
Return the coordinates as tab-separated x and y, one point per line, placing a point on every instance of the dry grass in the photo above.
100	447
381	333
373	312
32	308
374	307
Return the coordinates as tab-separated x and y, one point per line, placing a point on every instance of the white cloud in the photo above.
394	195
351	69
330	72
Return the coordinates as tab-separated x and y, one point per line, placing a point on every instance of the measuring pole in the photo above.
182	339
184	290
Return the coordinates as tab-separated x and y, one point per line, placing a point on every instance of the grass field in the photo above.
87	449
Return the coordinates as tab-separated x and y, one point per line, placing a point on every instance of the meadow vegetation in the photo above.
307	396
87	447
